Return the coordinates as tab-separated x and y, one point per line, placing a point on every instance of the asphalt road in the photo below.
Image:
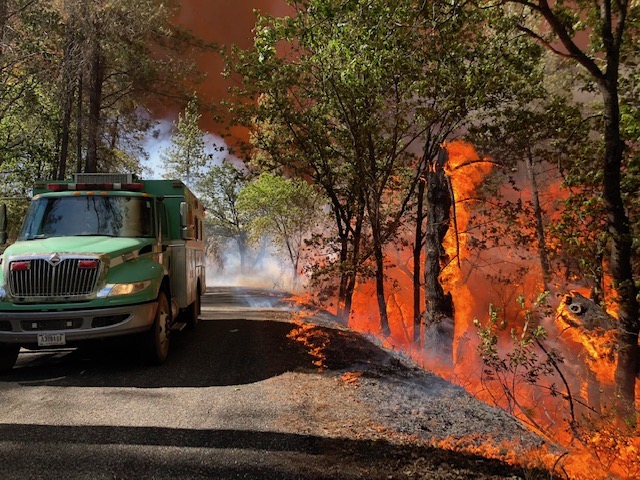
213	410
237	398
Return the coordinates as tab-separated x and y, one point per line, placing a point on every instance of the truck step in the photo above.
178	326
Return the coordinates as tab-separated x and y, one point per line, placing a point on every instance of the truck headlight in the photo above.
123	288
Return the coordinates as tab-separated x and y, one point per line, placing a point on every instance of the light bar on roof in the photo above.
61	187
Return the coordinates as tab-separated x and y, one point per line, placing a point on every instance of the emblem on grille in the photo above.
54	259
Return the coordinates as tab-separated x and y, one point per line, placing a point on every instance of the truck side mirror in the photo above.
3	224
183	214
186	229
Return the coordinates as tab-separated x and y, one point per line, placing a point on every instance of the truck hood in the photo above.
100	245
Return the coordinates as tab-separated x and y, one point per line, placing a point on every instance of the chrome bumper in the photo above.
77	325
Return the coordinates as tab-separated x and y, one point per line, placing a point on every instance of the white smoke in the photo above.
264	269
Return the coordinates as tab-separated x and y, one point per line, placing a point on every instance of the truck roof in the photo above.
152	187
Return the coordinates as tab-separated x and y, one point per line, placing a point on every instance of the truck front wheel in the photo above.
155	342
8	356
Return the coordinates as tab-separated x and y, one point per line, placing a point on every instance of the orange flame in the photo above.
472	294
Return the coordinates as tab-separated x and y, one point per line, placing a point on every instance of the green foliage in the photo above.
220	188
28	111
186	157
359	96
516	359
285	210
46	82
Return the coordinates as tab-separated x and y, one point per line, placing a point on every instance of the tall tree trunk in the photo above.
68	89
350	286
417	270
79	123
373	206
350	239
543	253
4	16
382	301
241	242
346	271
621	249
439	321
95	103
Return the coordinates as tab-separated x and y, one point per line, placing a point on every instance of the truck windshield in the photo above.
114	216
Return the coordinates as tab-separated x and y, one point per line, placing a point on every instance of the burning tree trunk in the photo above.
417	271
349	261
621	252
439	323
538	214
592	336
378	255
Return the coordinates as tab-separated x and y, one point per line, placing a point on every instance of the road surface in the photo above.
237	398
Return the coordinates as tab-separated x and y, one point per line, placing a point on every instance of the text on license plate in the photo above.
51	339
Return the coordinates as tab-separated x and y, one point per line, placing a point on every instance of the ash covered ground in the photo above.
449	433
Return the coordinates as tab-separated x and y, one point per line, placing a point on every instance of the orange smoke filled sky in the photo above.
223	22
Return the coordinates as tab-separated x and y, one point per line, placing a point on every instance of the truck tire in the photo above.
155	342
193	313
8	356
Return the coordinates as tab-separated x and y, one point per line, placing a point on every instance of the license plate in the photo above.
51	339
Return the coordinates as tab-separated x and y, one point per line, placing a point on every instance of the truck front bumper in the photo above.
24	327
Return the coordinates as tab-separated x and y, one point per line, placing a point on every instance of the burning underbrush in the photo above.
549	360
561	396
416	407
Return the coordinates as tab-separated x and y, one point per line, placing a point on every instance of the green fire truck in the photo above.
102	256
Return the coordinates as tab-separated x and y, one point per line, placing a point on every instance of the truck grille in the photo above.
40	279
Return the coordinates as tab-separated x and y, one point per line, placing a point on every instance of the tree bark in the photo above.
4	15
621	249
95	103
68	87
538	214
352	279
79	123
439	321
378	255
350	239
417	258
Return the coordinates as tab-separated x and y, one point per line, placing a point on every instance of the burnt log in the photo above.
593	336
584	324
